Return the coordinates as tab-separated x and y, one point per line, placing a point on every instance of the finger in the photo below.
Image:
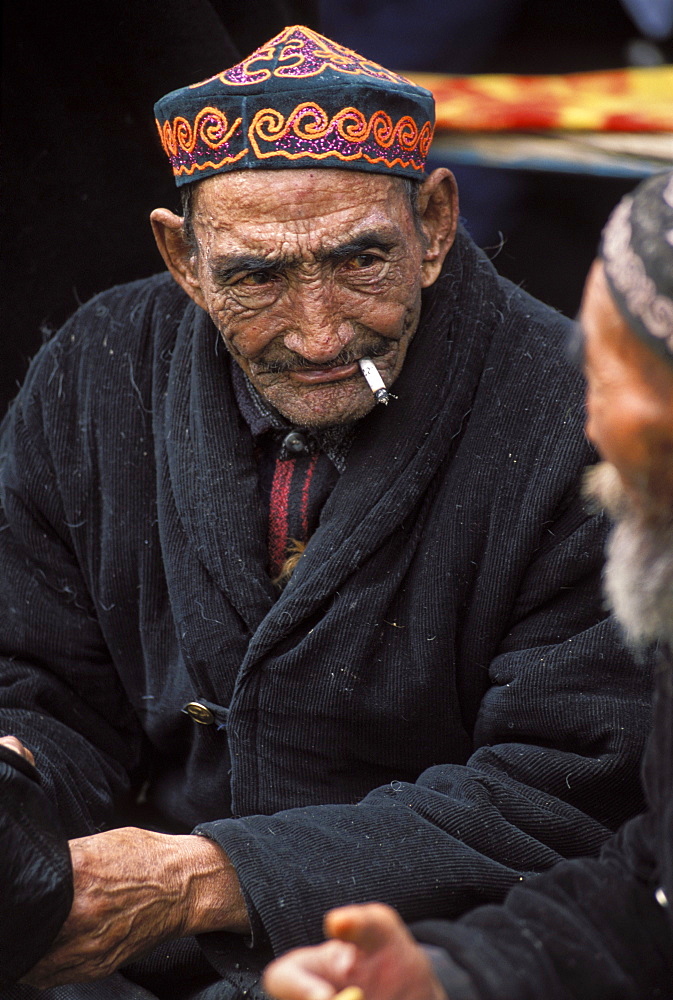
17	746
370	926
309	973
289	981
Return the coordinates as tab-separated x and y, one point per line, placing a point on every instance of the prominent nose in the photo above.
317	330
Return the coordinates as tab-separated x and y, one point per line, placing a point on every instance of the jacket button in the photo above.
199	713
295	443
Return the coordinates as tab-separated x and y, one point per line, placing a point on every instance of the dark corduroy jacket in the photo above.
433	708
599	928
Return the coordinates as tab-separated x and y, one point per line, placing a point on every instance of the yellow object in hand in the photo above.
350	993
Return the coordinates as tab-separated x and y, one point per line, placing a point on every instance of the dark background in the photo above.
82	166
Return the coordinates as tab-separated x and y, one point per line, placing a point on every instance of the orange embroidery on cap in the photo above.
303	53
210	126
210	129
360	138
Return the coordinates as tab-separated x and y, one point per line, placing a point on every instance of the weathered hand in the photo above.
372	949
12	743
133	889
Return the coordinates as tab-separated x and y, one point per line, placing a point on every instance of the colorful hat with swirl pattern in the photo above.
301	100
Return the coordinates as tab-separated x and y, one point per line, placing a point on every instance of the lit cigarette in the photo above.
374	381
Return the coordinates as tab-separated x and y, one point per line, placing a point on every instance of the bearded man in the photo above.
601	927
275	646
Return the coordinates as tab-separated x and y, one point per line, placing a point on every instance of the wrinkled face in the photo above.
304	272
629	398
630	420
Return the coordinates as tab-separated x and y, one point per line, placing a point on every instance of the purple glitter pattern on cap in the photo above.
298	53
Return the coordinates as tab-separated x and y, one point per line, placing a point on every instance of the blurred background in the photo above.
81	166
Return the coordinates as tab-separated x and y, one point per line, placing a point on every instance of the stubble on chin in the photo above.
638	574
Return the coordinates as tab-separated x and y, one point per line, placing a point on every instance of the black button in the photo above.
295	442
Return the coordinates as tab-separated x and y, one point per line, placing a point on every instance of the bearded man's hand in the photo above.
370	948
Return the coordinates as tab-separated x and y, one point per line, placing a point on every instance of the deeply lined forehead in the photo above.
292	195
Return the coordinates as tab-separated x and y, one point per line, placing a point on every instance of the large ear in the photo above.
178	256
438	206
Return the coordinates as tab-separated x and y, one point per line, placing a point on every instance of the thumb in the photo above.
370	926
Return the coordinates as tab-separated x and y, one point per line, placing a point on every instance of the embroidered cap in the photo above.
637	255
301	100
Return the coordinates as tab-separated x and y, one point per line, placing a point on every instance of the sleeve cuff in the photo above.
456	982
257	938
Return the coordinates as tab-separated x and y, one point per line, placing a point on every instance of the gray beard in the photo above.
638	574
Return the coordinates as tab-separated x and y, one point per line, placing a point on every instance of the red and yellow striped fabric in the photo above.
626	100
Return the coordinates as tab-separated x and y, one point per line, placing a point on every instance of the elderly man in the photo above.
601	927
273	645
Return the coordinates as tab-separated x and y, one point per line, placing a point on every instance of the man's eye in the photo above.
255	278
362	261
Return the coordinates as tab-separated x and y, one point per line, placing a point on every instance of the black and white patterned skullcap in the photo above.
637	254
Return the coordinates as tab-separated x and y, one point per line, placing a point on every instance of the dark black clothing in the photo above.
435	704
599	928
34	868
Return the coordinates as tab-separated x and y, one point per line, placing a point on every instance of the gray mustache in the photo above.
295	362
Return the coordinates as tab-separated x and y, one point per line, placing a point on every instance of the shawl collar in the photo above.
212	469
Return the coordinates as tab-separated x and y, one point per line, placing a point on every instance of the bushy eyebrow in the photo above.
360	244
227	266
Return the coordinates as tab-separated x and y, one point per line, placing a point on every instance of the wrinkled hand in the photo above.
371	948
133	889
12	743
